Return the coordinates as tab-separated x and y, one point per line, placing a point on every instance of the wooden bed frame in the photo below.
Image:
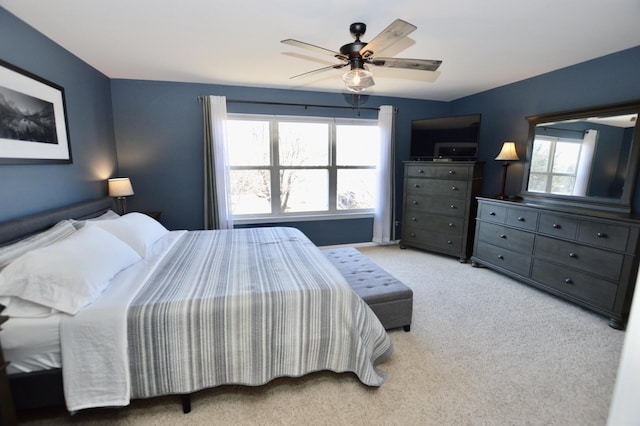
44	388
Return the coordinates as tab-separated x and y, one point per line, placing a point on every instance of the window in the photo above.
296	166
558	164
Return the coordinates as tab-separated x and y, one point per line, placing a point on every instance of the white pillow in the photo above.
20	308
136	229
109	214
13	251
69	274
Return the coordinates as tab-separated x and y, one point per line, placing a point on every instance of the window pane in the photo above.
540	155
304	190
566	157
248	143
356	189
250	191
357	145
537	182
562	184
304	144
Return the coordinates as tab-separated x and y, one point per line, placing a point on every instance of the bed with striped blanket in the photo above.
240	306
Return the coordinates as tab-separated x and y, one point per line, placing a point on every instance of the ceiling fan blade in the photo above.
318	49
304	74
396	31
414	64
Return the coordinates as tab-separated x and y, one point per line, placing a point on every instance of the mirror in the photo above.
587	158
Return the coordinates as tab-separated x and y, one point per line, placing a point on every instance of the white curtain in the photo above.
217	206
585	162
383	216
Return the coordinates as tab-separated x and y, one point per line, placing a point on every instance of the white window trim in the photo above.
333	213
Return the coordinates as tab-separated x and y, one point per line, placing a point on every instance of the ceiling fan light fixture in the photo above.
358	79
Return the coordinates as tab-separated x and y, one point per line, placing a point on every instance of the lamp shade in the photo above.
358	79
120	187
508	152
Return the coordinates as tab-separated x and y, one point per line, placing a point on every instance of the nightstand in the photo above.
155	215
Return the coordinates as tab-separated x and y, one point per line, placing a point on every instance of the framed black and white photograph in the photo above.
33	122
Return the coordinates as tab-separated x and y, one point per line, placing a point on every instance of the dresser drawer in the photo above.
559	226
450	188
585	287
417	204
604	234
447	171
504	258
435	222
509	238
437	240
492	213
589	259
522	218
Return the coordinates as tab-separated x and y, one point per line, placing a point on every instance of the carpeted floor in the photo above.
483	350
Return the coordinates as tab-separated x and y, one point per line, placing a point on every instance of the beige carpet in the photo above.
483	350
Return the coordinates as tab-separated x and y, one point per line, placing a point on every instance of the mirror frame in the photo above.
617	205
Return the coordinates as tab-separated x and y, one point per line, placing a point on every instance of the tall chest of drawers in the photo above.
586	258
439	206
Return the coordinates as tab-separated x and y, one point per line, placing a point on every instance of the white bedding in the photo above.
32	344
96	336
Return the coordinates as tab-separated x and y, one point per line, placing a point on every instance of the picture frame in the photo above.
33	119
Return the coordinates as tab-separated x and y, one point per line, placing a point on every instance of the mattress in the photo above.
31	344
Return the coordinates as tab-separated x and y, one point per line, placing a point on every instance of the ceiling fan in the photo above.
358	54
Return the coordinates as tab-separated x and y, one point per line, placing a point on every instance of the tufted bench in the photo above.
388	298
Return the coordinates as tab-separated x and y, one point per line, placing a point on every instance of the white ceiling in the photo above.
483	44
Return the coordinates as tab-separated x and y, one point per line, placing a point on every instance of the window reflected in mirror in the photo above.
582	157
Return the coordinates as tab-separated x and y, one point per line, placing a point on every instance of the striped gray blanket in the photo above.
246	306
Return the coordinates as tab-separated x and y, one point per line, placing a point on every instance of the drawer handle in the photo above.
568	281
503	236
414	219
454	188
420	171
501	257
520	219
449	242
414	202
415	185
451	172
492	213
451	225
556	226
601	235
413	234
452	206
572	254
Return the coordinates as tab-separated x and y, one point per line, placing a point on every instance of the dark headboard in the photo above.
16	229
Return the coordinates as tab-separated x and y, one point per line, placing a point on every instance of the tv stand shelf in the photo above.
585	257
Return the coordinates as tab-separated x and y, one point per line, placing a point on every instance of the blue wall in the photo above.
157	129
606	80
27	189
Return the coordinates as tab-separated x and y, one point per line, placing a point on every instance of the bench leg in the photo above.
407	327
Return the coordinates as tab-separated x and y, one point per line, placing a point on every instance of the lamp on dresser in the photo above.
507	153
120	189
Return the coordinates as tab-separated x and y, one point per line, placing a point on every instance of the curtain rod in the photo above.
297	104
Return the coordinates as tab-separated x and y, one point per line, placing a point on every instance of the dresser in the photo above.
439	206
587	258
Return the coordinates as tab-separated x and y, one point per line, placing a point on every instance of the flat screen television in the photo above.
449	138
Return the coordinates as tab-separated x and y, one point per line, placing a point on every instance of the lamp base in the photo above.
122	205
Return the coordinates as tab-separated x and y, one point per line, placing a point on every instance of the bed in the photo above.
184	311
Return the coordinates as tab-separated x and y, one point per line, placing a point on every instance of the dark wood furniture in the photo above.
439	206
584	256
7	410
